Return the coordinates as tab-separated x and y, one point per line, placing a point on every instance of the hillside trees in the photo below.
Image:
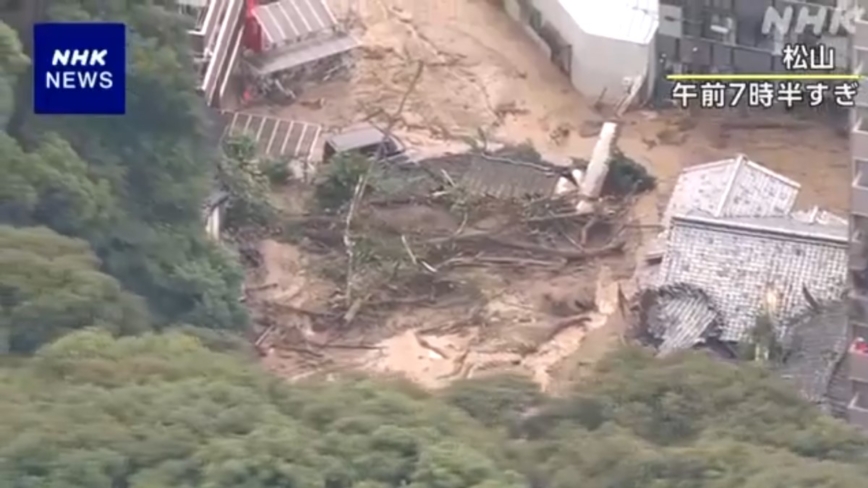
132	186
160	410
51	285
693	421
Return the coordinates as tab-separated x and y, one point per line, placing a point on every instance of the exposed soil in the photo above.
483	73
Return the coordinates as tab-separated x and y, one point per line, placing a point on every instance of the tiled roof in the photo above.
817	215
816	343
738	262
734	187
680	316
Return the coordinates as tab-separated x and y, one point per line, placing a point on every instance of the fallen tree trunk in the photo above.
564	253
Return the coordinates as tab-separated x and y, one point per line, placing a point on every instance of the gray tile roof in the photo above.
817	342
737	262
817	215
732	188
680	316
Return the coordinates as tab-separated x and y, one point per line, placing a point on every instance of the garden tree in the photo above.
249	187
50	285
136	183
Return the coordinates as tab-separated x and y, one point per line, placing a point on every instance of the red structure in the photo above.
252	39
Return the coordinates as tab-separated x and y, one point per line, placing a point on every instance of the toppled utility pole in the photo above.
598	168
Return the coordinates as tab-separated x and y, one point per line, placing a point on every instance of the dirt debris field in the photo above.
481	72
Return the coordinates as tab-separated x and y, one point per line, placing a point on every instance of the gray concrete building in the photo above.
726	36
605	48
857	361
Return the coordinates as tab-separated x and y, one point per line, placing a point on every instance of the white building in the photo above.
606	47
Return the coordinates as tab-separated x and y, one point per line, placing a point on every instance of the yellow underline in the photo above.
766	77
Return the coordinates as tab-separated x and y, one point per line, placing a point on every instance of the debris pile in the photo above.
387	238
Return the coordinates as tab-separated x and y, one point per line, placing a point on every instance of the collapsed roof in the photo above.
817	343
733	244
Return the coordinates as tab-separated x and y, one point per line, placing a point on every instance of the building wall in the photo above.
858	310
686	42
597	65
604	69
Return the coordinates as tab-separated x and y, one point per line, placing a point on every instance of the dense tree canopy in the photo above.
50	284
90	411
131	186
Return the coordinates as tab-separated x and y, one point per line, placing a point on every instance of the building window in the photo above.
720	28
861	172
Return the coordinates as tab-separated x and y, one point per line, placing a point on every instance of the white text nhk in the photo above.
72	79
833	20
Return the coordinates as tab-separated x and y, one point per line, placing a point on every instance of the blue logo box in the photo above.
79	68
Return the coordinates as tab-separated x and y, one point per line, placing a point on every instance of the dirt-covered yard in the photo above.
481	73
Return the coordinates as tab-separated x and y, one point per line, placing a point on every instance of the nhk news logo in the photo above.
79	69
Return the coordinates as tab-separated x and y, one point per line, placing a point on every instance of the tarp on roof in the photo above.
291	20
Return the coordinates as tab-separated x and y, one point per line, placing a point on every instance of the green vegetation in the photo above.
90	411
131	187
122	366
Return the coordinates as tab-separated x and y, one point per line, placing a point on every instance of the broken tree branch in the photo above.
349	244
564	253
359	191
586	229
497	260
409	251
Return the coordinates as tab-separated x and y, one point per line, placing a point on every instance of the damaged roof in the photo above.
817	343
738	262
734	187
